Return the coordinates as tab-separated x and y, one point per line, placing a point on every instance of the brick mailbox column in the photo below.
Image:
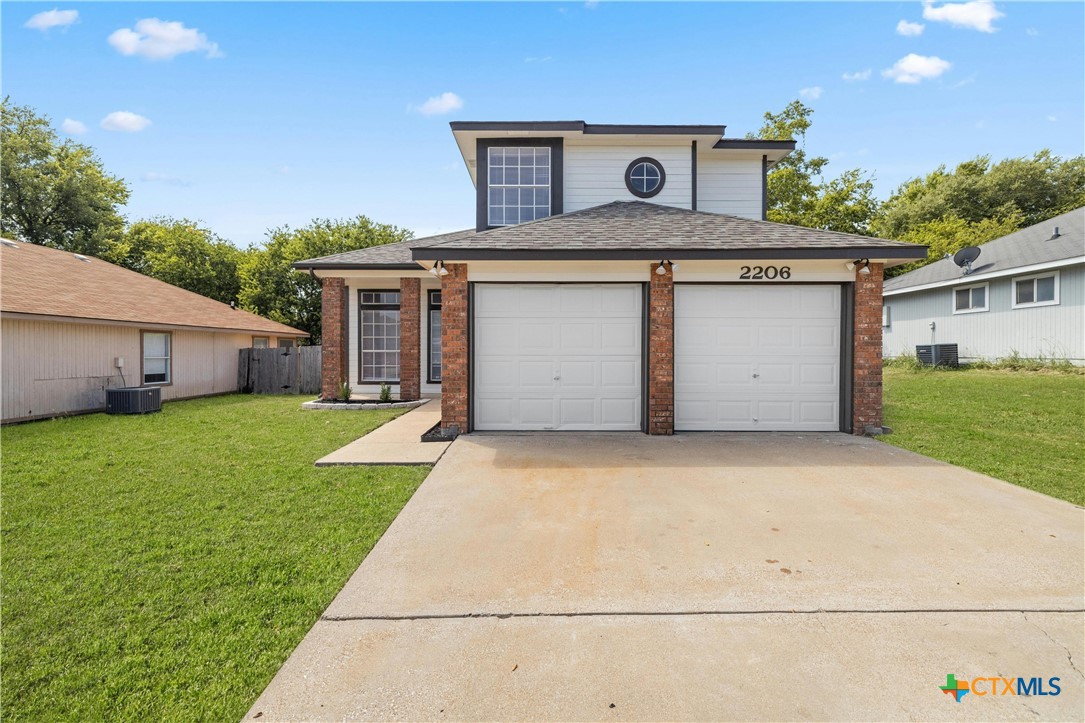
661	352
454	324
333	333
410	339
867	355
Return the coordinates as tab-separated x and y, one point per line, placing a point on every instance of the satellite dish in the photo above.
965	257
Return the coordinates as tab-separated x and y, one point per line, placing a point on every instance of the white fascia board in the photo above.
975	278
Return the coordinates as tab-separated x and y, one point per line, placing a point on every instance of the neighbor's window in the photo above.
435	337
260	342
969	299
380	336
286	343
885	315
156	357
1038	290
518	185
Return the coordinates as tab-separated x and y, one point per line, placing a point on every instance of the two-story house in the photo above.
618	277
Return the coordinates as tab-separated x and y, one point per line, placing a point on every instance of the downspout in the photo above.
764	188
693	175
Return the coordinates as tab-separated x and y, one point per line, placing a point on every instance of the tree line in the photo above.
57	193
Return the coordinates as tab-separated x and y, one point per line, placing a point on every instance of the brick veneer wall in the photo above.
867	355
333	335
454	362
410	338
661	352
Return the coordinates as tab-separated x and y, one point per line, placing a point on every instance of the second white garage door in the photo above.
757	358
557	356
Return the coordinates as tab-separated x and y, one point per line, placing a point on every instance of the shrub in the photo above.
386	392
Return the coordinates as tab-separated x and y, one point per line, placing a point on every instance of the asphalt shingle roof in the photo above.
46	281
627	229
394	255
1029	246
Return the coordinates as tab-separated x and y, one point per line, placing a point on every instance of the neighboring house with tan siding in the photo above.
74	326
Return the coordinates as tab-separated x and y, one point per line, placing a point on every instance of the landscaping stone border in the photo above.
354	406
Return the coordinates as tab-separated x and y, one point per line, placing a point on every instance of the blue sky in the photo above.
264	114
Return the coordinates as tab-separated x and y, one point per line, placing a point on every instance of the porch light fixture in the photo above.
863	264
439	269
662	268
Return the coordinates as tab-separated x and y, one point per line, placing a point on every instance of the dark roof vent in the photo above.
1055	235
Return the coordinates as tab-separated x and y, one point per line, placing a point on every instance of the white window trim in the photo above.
885	315
986	298
1028	305
490	184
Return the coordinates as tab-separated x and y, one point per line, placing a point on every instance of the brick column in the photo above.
867	355
410	338
661	352
333	336
454	362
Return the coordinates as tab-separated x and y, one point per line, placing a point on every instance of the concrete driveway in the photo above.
708	576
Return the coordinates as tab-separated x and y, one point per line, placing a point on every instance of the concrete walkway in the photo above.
700	577
397	443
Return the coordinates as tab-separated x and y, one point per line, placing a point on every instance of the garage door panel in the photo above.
773	362
577	362
576	337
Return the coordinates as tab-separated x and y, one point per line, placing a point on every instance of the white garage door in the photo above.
557	356
759	357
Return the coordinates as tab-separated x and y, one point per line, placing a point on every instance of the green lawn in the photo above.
165	566
1027	428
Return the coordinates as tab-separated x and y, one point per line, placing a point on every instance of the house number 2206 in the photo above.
765	272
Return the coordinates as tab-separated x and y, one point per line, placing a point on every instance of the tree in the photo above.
797	191
181	253
272	288
51	192
948	235
1035	189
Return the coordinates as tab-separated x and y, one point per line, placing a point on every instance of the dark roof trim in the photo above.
314	265
436	253
588	128
755	144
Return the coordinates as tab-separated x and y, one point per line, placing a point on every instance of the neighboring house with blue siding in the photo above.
1024	295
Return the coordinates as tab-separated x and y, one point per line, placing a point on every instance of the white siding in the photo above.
52	368
1044	331
595	174
729	186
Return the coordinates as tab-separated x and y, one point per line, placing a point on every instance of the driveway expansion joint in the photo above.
690	613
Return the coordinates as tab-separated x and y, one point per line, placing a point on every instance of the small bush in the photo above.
386	392
344	391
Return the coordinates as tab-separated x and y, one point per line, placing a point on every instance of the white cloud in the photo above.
154	177
1052	118
52	19
538	59
73	127
162	40
909	30
914	68
1032	32
975	14
125	122
591	4
439	104
860	75
812	93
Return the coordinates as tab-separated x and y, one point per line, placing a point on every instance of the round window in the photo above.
645	177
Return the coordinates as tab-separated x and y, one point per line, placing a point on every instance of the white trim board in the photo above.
974	278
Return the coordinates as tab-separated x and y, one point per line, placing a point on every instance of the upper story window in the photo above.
969	299
519	185
645	177
1036	290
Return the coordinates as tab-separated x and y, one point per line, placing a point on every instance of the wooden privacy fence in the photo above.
293	370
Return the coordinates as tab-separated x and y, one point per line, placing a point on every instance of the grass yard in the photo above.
164	567
1027	428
